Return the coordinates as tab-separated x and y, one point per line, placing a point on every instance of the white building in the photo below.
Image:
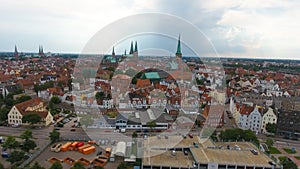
268	117
33	106
255	120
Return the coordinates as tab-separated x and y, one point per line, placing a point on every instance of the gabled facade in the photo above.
269	117
255	120
33	106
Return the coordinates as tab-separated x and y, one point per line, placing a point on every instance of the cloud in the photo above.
241	27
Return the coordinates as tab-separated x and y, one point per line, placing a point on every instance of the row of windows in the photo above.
15	121
17	117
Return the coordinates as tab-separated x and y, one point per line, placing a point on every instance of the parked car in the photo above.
191	135
73	130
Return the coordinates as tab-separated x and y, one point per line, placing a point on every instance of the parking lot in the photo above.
47	154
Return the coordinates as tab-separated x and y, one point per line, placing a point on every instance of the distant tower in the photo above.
178	52
131	48
41	51
135	52
113	52
16	54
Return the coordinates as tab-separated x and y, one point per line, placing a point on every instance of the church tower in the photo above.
16	54
131	48
113	52
41	51
178	52
135	52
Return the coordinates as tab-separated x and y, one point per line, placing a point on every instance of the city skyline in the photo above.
245	29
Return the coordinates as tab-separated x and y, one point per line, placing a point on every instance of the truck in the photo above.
73	146
89	150
80	149
66	146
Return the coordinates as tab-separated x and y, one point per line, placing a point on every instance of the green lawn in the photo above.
274	150
288	150
282	158
297	157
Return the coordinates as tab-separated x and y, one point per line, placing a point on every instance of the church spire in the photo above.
113	51
135	48
178	52
16	53
131	48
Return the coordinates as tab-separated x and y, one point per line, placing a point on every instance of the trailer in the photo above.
66	146
73	146
84	161
89	150
80	149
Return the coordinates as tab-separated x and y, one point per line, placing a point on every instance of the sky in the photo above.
236	28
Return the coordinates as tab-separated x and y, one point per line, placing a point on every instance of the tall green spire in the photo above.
178	52
135	48
113	51
125	53
131	48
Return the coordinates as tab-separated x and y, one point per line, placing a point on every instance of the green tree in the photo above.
56	165
22	99
288	163
10	143
99	95
36	165
3	113
78	165
123	165
271	127
151	124
1	166
28	145
16	156
269	142
134	135
31	118
130	72
54	136
98	167
55	100
26	135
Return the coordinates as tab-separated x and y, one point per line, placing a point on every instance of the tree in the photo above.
99	95
287	163
151	124
56	165
3	113
123	165
271	127
98	167
269	142
54	136
78	165
1	166
55	100
16	156
22	99
10	143
28	145
36	165
31	118
26	135
134	135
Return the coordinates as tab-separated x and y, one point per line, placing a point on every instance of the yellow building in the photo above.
33	106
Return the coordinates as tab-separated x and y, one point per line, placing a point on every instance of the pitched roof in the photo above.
246	110
29	103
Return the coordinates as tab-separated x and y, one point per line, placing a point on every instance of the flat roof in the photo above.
157	152
165	158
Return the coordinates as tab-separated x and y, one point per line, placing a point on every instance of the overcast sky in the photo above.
242	28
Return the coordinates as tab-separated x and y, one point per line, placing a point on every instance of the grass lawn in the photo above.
274	150
297	157
282	158
288	150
